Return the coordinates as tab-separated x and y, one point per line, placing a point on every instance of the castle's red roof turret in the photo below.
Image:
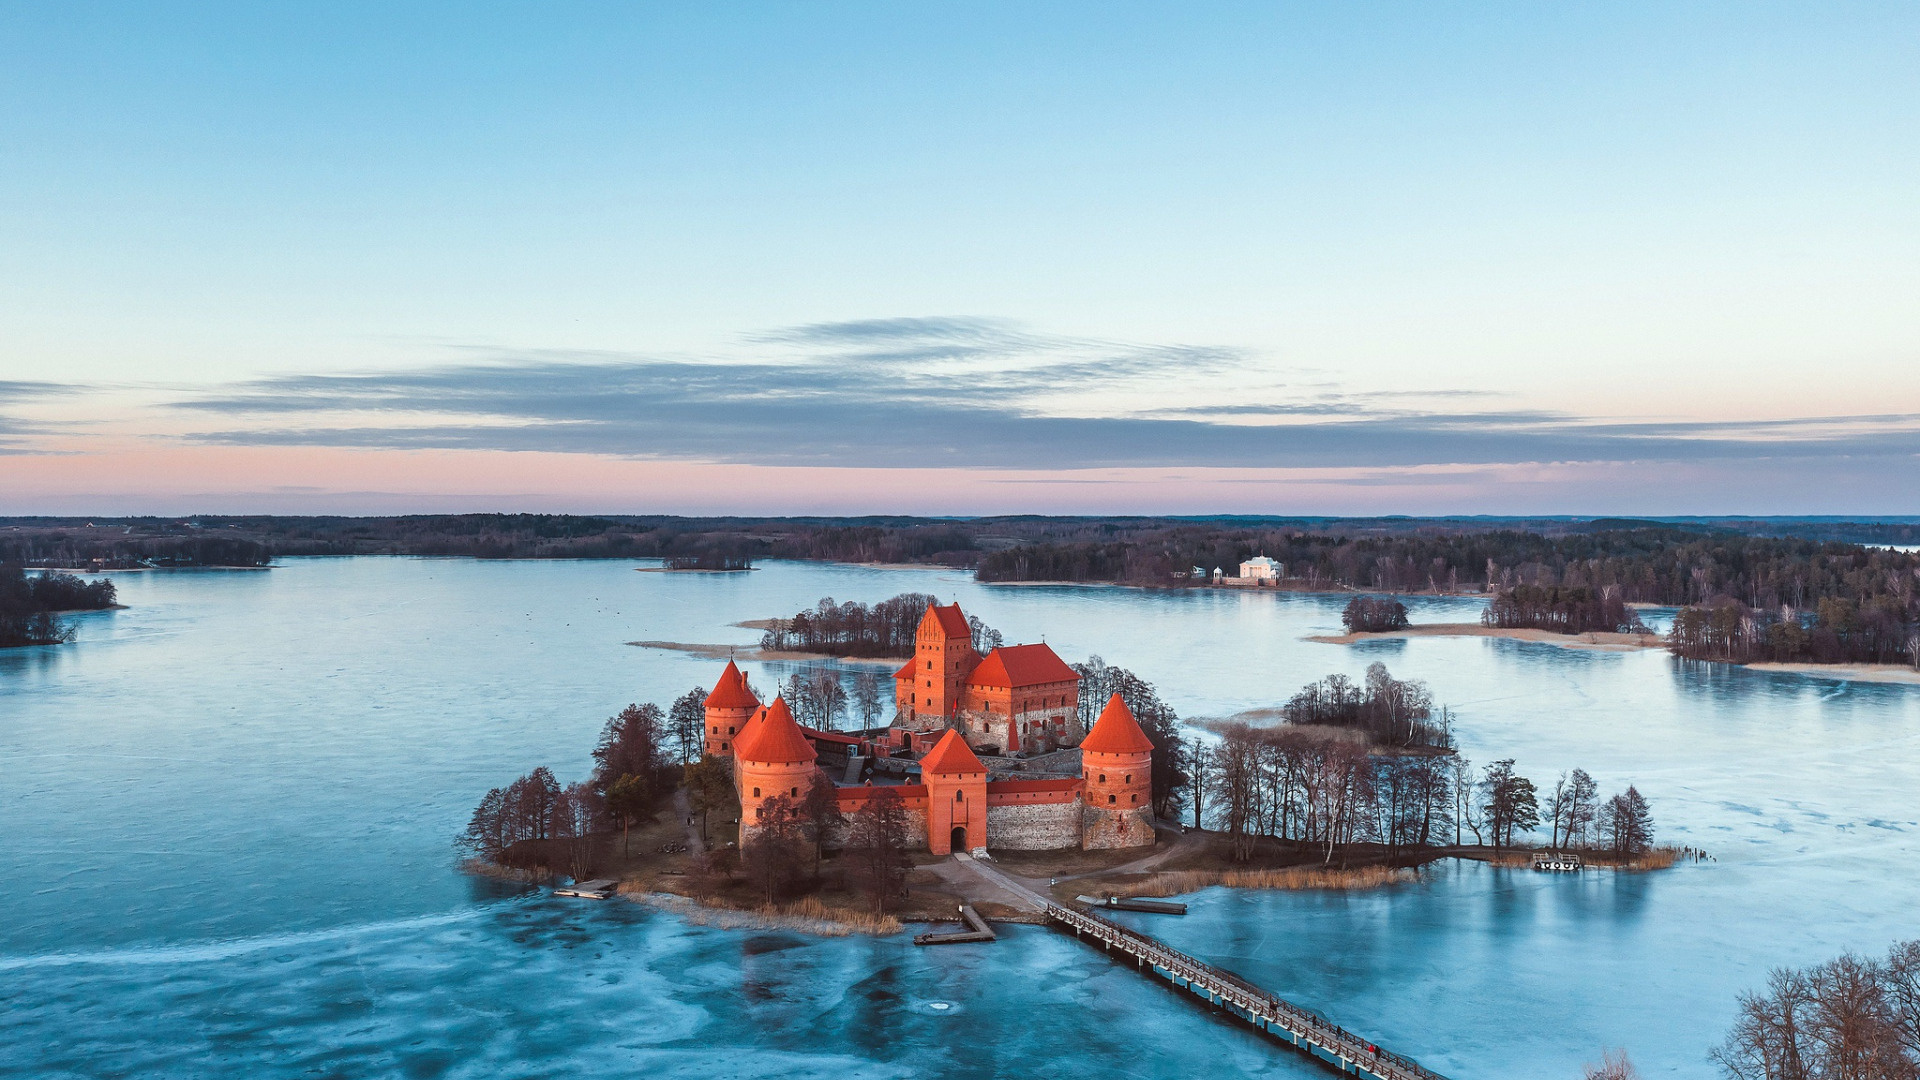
775	739
950	755
950	619
1022	665
1116	732
731	691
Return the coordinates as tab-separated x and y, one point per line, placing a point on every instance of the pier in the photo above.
1302	1029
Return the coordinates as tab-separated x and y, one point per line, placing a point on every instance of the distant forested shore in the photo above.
1783	589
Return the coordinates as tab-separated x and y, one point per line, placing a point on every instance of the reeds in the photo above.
1176	882
808	915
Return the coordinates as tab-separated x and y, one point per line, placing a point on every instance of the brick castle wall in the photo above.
1040	826
1102	827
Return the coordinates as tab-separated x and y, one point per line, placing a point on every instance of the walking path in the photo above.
695	844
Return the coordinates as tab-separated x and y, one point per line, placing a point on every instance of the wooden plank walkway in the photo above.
1317	1036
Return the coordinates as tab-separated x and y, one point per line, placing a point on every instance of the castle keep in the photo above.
955	706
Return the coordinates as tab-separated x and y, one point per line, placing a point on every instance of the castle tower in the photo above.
956	797
729	708
773	760
1116	760
929	688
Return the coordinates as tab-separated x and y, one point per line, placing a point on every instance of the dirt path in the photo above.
695	844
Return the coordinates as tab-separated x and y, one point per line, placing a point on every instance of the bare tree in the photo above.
709	787
1613	1066
866	698
819	814
773	854
687	724
877	840
576	813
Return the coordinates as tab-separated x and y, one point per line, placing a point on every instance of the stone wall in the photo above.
916	829
1115	828
1034	826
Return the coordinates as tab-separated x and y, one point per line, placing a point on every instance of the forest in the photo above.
30	604
886	628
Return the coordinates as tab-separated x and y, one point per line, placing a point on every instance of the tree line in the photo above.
29	603
1881	629
536	823
1364	763
1386	710
1373	615
1576	609
1851	1018
885	628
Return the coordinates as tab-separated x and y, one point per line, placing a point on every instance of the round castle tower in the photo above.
1116	760
729	708
772	760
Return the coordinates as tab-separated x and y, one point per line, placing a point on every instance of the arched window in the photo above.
1129	778
796	793
1136	798
756	793
1103	778
958	795
1111	799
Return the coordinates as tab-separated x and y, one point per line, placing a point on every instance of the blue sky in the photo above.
1291	258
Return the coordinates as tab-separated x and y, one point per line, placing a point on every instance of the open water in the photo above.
225	816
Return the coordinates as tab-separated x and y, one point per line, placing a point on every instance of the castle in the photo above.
953	705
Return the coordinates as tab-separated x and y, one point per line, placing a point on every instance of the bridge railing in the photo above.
1246	995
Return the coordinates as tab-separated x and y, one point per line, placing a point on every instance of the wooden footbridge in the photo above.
1305	1030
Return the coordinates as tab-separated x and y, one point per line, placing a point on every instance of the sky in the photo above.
1610	258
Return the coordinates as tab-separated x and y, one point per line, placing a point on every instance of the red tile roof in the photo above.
905	672
950	619
950	755
731	691
1116	732
776	739
1022	665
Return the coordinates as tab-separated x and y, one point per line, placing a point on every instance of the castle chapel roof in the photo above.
1022	665
1116	732
950	755
775	738
731	691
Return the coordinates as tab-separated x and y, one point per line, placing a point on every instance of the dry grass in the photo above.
807	915
1174	883
483	868
1659	858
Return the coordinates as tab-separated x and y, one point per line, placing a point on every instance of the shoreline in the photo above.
756	653
1604	642
1887	674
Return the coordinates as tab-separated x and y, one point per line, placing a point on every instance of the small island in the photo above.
1076	779
31	605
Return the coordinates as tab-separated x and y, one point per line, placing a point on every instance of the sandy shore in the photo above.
1875	673
1600	641
754	652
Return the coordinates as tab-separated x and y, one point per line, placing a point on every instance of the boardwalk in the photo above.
1313	1034
1319	1037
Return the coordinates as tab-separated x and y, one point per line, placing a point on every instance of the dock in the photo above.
980	931
1559	861
1134	903
1303	1029
598	889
